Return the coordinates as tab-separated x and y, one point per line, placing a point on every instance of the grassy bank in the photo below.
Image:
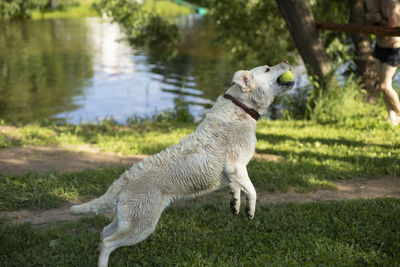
356	233
310	155
84	8
81	9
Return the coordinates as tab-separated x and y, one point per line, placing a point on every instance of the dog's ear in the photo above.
244	79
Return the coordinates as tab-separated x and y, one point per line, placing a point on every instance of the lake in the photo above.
83	70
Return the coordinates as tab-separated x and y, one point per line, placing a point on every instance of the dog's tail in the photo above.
105	203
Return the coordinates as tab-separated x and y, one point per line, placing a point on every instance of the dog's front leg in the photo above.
235	198
239	179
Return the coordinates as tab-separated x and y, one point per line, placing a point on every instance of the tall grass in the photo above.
341	104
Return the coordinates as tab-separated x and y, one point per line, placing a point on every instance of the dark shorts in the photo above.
390	56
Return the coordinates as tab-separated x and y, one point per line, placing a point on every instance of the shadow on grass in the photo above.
304	171
277	138
311	171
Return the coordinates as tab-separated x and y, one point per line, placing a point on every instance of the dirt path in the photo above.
43	159
20	160
346	190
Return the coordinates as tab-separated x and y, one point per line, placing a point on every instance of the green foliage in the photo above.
338	104
11	9
294	105
253	31
350	233
143	27
338	45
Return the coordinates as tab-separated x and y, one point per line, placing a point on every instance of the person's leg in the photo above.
386	73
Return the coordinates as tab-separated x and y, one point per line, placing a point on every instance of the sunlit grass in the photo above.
166	8
311	155
85	9
45	191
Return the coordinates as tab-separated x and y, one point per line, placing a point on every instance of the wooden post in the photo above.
358	29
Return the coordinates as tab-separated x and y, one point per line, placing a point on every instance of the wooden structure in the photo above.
358	29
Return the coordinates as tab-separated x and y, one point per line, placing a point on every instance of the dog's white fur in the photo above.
216	154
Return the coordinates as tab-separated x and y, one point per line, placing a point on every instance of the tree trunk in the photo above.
366	64
301	24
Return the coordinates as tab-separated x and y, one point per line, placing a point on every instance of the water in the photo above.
83	70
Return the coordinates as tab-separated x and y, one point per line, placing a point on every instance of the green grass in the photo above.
85	9
312	155
166	8
351	233
45	191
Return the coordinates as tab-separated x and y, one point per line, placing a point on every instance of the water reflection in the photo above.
42	67
83	70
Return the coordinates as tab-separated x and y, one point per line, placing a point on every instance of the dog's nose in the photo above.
287	62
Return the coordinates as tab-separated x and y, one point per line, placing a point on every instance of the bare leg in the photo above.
390	96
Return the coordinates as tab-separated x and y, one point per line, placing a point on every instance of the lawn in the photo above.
310	156
350	233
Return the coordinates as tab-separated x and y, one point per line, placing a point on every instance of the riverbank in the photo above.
86	8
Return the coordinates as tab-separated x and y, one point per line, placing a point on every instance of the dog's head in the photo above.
261	83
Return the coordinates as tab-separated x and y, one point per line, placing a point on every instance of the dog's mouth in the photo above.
286	80
287	85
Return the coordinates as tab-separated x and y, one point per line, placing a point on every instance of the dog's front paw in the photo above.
249	213
235	205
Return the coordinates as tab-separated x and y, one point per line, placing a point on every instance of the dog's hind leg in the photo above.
136	220
110	229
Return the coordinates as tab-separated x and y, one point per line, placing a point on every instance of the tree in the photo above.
300	21
366	64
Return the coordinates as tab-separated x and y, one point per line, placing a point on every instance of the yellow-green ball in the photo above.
286	77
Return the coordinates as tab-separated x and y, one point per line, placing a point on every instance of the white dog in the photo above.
216	154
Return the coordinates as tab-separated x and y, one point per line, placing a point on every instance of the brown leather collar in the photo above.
252	112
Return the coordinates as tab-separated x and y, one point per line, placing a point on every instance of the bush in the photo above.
337	103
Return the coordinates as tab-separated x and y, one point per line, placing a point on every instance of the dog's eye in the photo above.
267	69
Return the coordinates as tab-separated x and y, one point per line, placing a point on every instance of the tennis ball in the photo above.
286	77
